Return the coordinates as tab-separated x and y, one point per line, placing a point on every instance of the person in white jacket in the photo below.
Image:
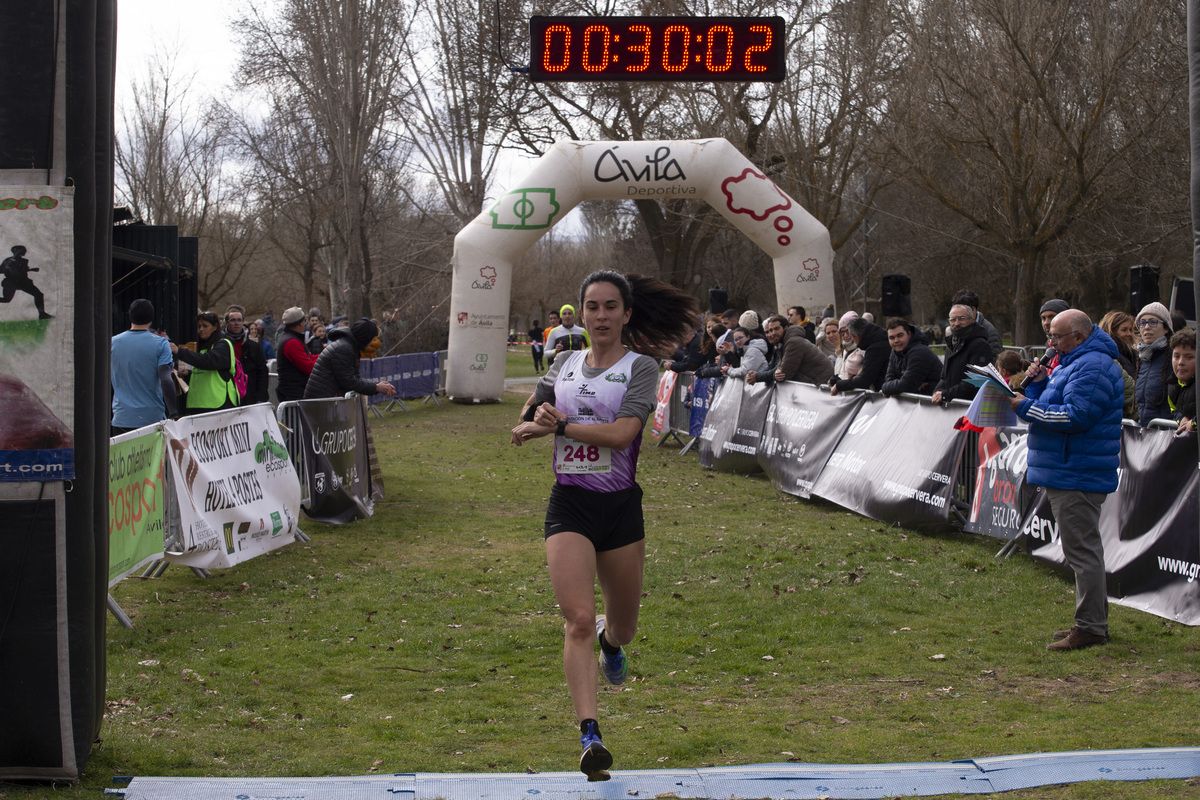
753	349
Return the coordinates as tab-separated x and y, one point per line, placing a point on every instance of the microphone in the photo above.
1046	358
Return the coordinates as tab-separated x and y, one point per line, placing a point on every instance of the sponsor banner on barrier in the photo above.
336	457
37	334
733	428
1001	494
803	426
1148	527
136	511
895	463
413	374
237	491
662	411
700	394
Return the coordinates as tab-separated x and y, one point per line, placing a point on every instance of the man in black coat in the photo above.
873	342
336	370
250	353
968	344
913	367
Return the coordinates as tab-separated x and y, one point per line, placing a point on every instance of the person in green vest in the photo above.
211	385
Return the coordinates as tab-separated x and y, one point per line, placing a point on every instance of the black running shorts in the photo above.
608	519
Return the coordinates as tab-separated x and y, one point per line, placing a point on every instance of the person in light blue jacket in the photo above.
1074	441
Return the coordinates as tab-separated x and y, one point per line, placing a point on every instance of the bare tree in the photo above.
171	159
341	59
1009	118
461	100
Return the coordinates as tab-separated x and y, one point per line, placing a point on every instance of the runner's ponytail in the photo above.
663	318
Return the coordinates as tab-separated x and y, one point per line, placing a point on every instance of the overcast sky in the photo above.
199	35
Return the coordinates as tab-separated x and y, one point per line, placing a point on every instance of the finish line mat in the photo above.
972	776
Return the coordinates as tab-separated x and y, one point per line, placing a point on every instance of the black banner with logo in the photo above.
1001	494
803	426
1148	527
896	463
336	453
733	427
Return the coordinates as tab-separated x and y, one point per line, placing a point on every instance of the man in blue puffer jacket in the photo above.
1074	452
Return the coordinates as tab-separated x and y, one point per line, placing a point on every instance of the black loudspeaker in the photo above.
718	300
1143	287
895	300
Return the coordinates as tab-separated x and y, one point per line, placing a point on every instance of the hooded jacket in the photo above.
336	370
1075	419
876	353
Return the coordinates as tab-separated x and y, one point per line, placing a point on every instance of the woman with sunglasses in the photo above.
1153	367
595	403
211	386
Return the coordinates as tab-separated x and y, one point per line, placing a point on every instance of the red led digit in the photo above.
605	57
758	48
709	63
643	48
687	42
549	48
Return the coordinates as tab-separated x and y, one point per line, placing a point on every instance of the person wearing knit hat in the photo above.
1049	309
749	320
1153	373
567	336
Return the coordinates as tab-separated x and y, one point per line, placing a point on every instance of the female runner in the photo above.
596	402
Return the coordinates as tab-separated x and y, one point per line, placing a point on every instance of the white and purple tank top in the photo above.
589	401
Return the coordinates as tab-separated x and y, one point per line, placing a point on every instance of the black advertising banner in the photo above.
1148	526
803	426
1001	494
733	427
896	463
335	452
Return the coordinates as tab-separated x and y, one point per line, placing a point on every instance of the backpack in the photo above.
239	375
240	380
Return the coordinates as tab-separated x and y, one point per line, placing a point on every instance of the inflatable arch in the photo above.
706	169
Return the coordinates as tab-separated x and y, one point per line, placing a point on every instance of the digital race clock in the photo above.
657	49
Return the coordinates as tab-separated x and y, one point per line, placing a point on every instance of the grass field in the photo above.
773	629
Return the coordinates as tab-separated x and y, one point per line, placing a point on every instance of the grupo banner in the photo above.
136	511
1147	526
335	449
803	426
733	428
896	463
662	409
237	492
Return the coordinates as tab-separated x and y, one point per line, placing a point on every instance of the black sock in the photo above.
590	726
606	647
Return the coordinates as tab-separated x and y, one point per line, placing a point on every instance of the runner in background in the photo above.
596	403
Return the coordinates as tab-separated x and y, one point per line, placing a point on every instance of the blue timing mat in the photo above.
973	776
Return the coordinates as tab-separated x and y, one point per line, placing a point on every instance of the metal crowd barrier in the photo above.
680	413
288	415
